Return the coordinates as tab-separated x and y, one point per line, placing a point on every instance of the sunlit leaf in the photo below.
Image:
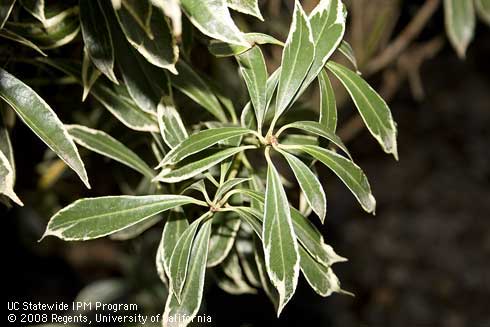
280	244
213	19
460	24
191	296
254	72
97	37
172	128
297	57
249	7
371	106
91	218
309	184
42	120
104	144
328	106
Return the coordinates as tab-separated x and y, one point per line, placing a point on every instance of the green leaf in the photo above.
174	227
328	106
114	98
191	296
104	144
483	10
460	23
297	57
322	279
308	235
90	74
160	48
7	179
249	7
194	168
172	128
139	10
223	49
5	10
42	120
59	29
229	185
192	85
309	184
264	278
328	27
347	171
179	261
135	230
280	245
200	141
251	216
97	37
346	49
320	130
373	109
36	8
5	33
91	218
213	19
254	72
223	235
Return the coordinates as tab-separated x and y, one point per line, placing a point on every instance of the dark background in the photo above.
423	260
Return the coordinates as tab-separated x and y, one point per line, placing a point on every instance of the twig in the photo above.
411	31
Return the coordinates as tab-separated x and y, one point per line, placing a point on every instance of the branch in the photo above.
411	31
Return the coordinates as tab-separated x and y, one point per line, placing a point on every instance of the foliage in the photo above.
219	183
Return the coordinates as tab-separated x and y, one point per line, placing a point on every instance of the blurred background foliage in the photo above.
423	260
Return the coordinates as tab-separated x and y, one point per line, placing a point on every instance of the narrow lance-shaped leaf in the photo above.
192	85
59	29
104	144
200	141
322	279
5	10
483	10
373	109
213	19
42	120
90	74
5	33
160	49
280	244
194	168
249	7
174	227
97	37
7	179
297	57
254	72
140	10
229	185
307	234
115	99
310	185
264	278
223	235
460	24
179	261
180	314
346	49
223	49
5	143
91	218
318	129
347	171
328	27
136	230
328	106
36	8
171	126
